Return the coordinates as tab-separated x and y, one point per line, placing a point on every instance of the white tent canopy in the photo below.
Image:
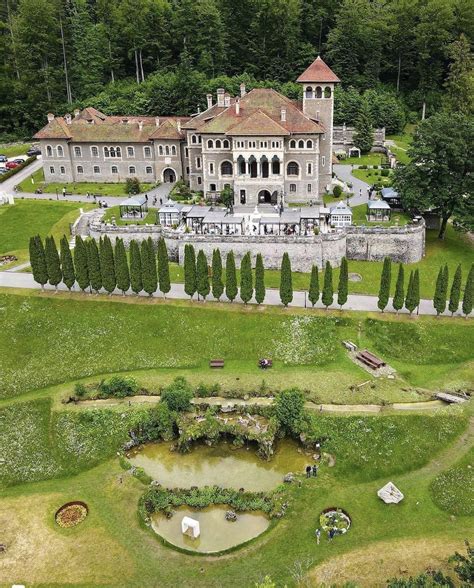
190	527
390	494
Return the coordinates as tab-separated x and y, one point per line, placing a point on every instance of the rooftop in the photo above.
318	71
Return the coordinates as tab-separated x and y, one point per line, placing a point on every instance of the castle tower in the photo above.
318	83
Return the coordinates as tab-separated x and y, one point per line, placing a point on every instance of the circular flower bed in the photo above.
335	519
71	514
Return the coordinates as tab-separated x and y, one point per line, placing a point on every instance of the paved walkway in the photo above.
359	187
355	301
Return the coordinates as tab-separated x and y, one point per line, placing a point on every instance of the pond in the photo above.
220	465
217	534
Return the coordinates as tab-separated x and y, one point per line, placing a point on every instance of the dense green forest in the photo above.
163	56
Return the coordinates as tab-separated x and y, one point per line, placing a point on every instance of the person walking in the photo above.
64	192
308	471
318	535
315	471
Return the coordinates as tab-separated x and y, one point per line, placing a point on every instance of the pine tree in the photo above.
149	274
136	280
286	280
416	289
438	294
190	284
230	277
67	266
52	262
313	293
455	293
246	280
80	264
259	279
122	272
217	284
363	136
409	302
107	266
163	268
328	289
343	286
399	297
385	281
38	261
93	263
202	275
468	293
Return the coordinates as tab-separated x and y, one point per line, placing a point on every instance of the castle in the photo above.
266	147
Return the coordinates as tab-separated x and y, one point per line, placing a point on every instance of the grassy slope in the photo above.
13	150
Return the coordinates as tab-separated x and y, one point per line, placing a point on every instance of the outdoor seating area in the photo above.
370	360
134	207
391	197
378	210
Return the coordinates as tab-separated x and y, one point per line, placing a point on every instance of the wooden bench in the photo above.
216	363
370	359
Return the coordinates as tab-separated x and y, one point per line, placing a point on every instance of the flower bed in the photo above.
71	514
335	519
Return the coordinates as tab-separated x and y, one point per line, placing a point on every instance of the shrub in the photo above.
375	167
12	172
118	386
181	191
385	173
203	391
337	191
159	423
289	407
80	390
362	166
177	396
132	186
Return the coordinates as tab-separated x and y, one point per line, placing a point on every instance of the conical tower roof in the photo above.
318	71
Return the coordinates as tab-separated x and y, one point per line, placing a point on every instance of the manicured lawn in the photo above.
360	218
368	159
16	149
36	180
114	213
373	176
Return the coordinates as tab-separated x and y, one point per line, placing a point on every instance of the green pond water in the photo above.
220	465
217	534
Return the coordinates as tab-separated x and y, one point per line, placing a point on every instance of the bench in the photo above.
216	363
349	345
370	359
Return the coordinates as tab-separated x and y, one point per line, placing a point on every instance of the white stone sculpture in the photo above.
190	527
390	494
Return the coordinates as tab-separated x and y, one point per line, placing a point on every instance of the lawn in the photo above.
36	180
114	213
368	159
359	217
30	217
11	150
373	176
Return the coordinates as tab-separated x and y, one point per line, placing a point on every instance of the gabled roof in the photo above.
56	129
204	117
318	71
167	130
258	123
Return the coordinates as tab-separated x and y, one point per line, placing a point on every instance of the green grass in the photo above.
36	180
359	217
368	159
372	176
16	149
453	489
114	212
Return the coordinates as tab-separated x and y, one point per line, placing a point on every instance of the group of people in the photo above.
331	534
311	471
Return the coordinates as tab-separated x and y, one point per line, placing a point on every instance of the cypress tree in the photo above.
328	289
93	263
468	293
230	277
202	275
385	280
217	284
149	274
437	298
313	293
246	281
399	297
445	282
189	270
259	279
286	281
53	265
343	286
416	289
163	268
38	261
107	265
80	264
136	280
67	266
455	294
122	272
410	299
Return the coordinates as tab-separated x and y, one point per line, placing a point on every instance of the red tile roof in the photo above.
318	71
258	123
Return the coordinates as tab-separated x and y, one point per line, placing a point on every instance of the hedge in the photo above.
14	171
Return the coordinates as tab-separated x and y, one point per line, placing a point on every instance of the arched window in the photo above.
149	169
60	151
253	166
80	169
131	169
210	144
62	170
300	144
96	169
112	152
309	92
226	168
95	151
147	151
226	144
114	169
194	139
309	144
173	149
293	169
106	152
241	165
118	151
319	92
275	165
130	152
327	92
77	152
160	149
292	144
167	149
264	167
218	144
49	151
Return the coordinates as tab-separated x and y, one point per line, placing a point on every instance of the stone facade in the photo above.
343	138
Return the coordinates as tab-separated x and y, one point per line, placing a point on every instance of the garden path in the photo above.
359	187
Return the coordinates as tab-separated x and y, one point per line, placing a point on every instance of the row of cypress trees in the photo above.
95	266
440	298
327	294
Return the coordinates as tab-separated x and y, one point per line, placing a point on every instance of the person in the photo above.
146	197
321	408
318	535
308	471
315	471
331	533
95	197
64	192
161	201
88	195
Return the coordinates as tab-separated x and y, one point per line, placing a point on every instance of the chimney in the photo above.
283	115
140	125
179	126
67	118
242	90
237	107
77	112
50	117
157	121
226	101
209	100
220	97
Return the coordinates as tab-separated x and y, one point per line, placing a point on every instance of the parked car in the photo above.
19	160
11	164
33	151
3	158
3	171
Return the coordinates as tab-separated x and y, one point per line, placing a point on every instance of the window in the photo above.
60	151
327	92
292	144
292	187
293	168
160	149
149	169
323	161
275	166
173	149
199	180
211	167
51	170
49	151
242	197
226	144
112	152
147	151
114	169
319	92
309	187
300	144
200	139
132	170
80	169
212	187
130	152
167	149
193	139
198	162
95	151
263	144
96	169
218	144
241	165
226	168
309	169
309	92
210	144
62	170
309	144
77	152
187	171
186	153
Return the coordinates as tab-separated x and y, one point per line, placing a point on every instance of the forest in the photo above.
399	57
